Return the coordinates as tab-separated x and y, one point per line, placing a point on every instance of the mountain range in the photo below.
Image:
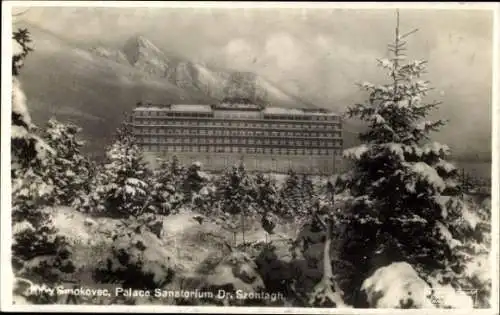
96	86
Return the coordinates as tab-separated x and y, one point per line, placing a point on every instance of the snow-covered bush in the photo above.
137	259
469	234
396	286
230	270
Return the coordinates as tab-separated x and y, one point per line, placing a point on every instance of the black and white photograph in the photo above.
293	157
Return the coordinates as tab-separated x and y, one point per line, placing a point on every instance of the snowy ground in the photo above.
189	243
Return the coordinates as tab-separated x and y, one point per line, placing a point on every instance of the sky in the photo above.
317	54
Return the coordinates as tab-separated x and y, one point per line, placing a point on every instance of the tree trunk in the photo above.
327	266
327	292
243	225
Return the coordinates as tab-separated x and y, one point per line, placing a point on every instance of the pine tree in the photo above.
28	150
69	170
167	195
125	177
292	195
268	199
398	174
308	193
237	193
37	251
194	181
21	48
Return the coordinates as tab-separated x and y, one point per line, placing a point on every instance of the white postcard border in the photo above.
6	275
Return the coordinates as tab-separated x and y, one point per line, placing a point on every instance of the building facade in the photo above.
268	139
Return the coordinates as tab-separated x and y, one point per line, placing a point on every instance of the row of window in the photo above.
234	132
237	124
235	115
236	149
302	117
155	113
242	141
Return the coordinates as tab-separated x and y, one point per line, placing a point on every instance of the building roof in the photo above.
224	106
294	111
191	108
280	110
152	108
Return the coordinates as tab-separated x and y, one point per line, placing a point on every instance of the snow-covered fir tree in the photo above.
124	177
194	181
308	193
38	253
237	193
28	150
399	176
267	199
292	195
69	169
21	47
237	190
166	195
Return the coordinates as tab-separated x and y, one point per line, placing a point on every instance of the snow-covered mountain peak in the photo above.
138	48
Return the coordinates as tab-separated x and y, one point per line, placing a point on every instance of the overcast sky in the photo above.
318	54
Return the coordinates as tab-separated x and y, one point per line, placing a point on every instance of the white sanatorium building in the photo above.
268	139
